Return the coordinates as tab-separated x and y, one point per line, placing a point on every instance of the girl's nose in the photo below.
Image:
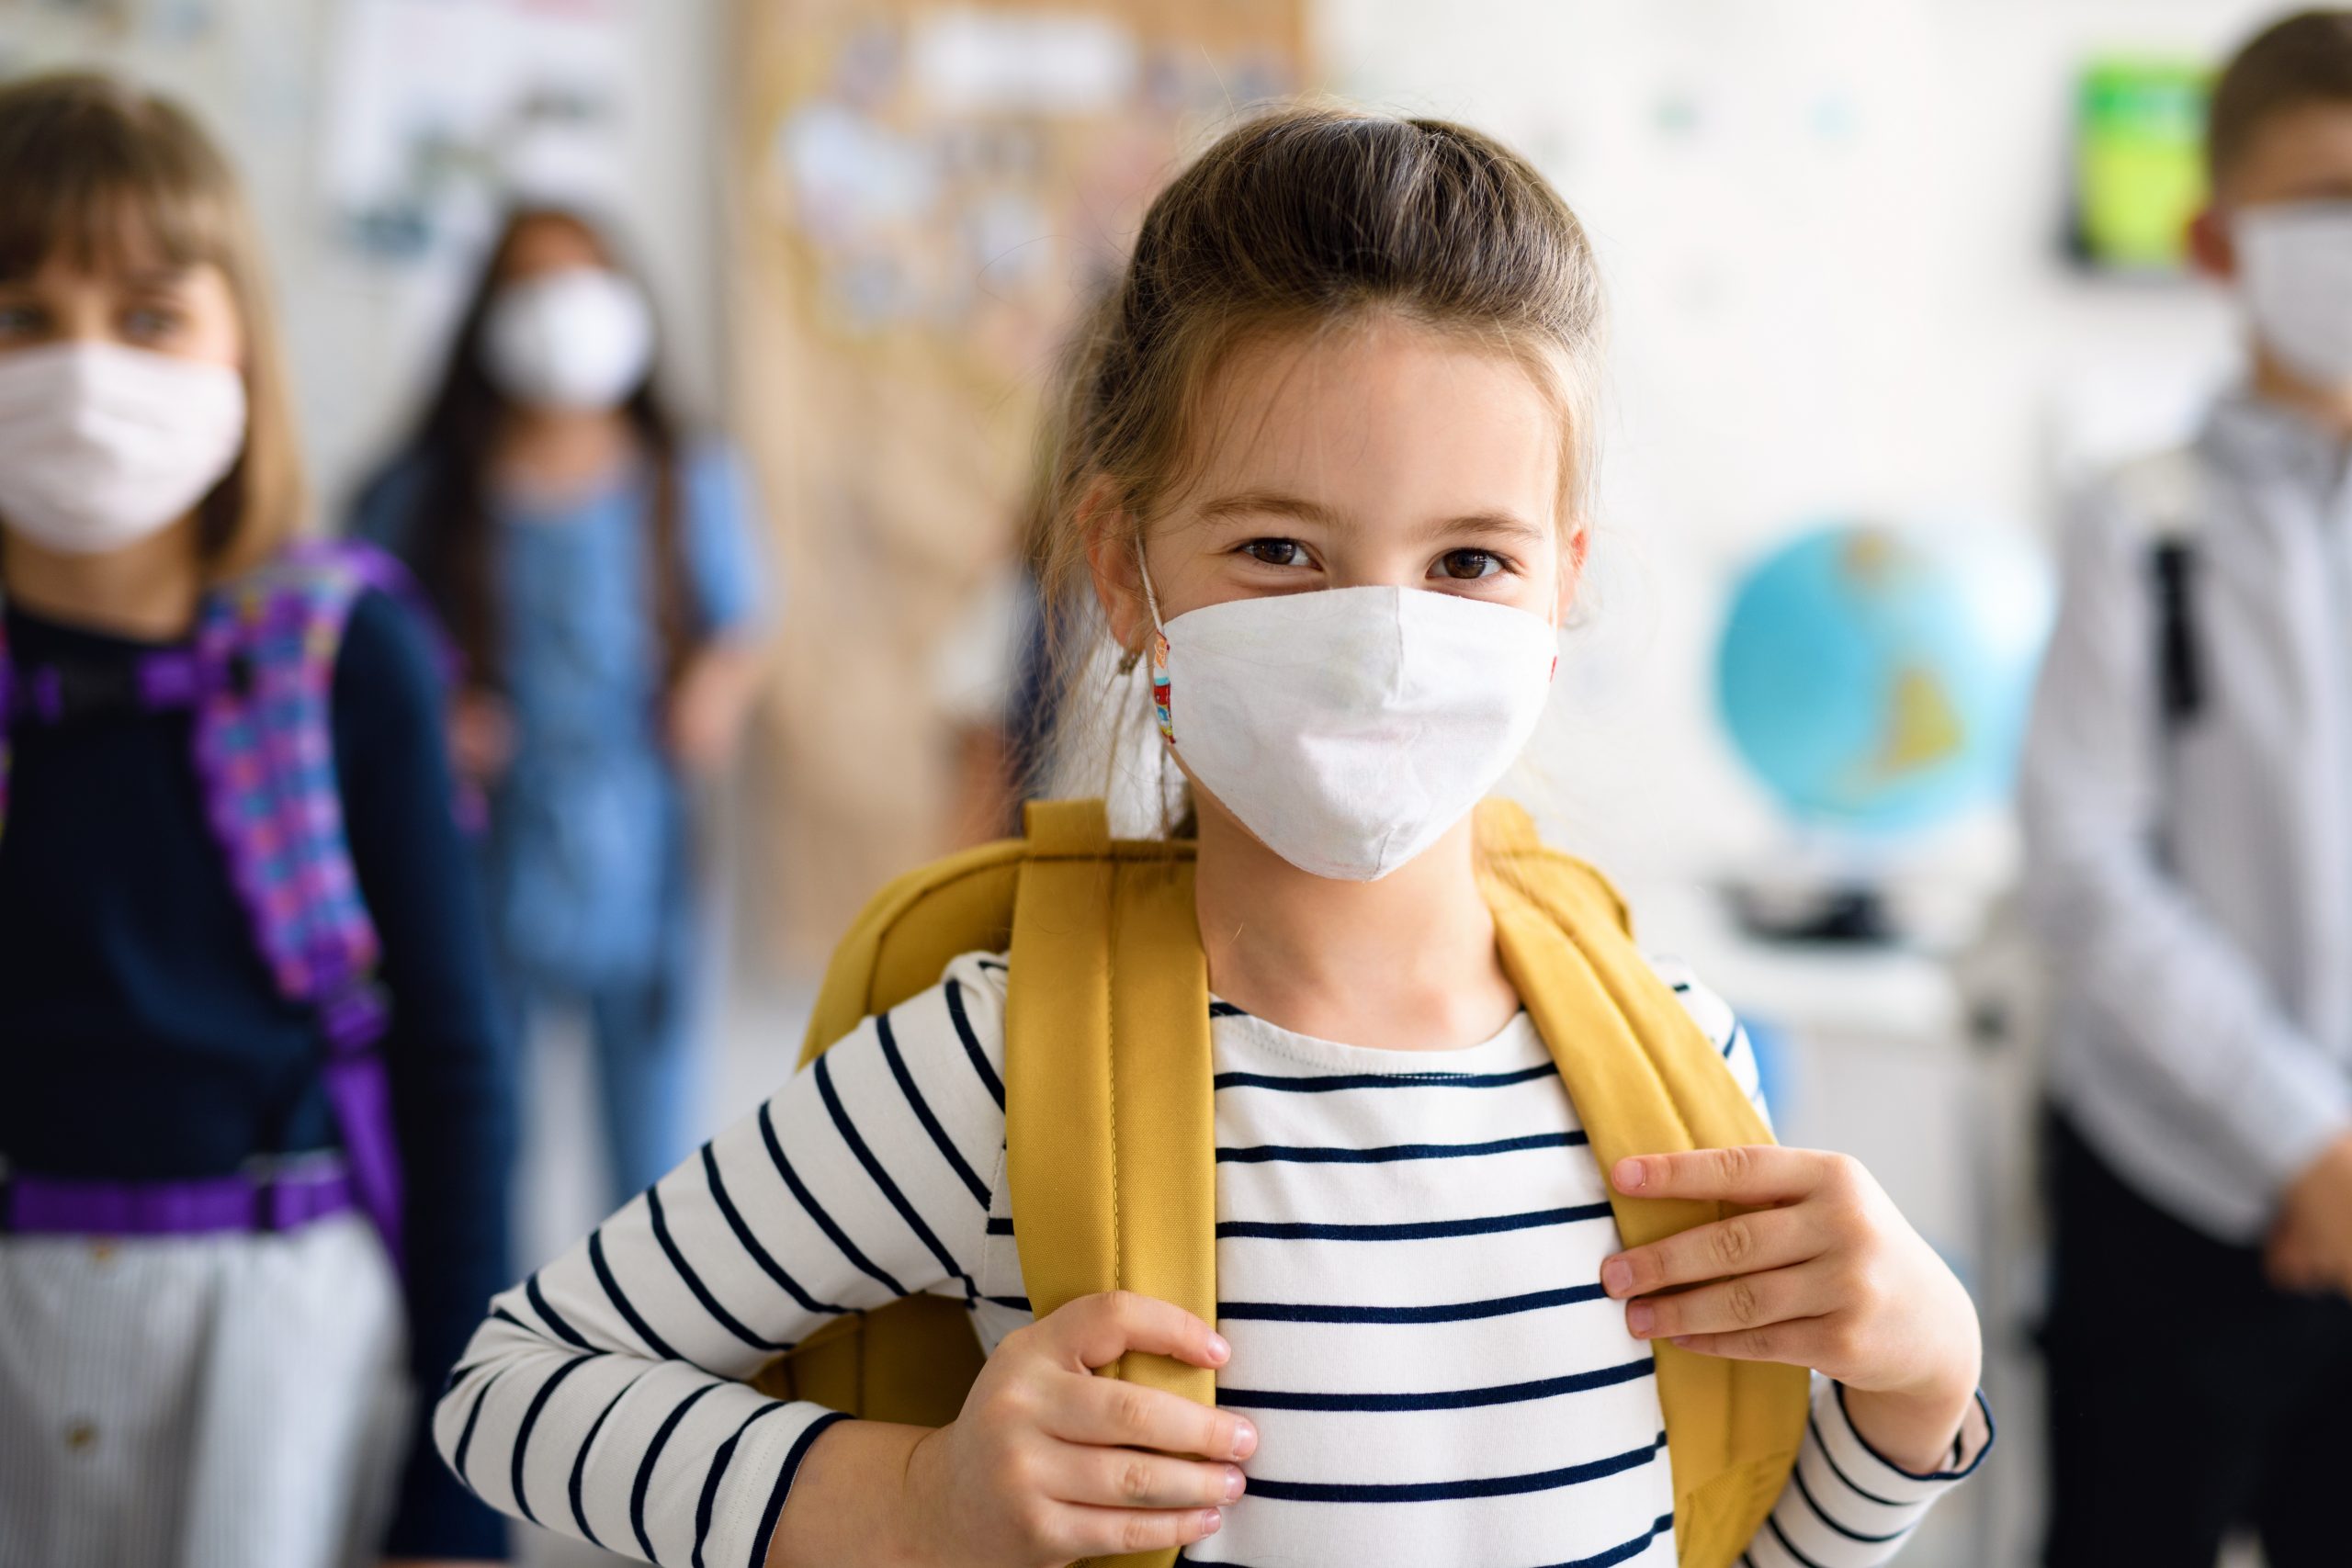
1373	572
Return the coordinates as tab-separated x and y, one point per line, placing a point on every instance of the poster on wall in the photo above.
926	196
437	111
2138	174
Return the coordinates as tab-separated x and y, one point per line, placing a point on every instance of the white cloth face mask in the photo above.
102	445
2295	260
1349	727
577	339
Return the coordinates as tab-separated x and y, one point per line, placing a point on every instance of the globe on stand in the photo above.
1876	679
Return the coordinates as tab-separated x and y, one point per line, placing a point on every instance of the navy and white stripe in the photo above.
1409	1246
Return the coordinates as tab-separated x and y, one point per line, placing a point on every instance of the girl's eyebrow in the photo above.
1508	524
159	278
1280	503
1268	503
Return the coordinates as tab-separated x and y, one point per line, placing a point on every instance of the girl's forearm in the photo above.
849	1506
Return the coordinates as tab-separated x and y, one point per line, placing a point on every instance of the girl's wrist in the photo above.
1919	1432
915	1543
855	1502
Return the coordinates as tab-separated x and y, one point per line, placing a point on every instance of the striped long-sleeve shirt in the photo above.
1408	1247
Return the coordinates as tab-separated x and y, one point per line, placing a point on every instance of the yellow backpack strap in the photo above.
1645	1080
1109	1123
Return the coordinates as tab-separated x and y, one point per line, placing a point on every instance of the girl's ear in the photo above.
1110	560
1573	552
2210	250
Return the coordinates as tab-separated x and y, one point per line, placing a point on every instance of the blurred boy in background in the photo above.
2188	799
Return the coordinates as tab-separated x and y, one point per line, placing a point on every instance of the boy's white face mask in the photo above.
2295	260
1349	727
102	445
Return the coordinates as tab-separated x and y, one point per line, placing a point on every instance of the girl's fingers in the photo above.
1111	1414
1754	1174
1800	1342
1111	1532
1749	1301
1130	1478
1094	1331
1770	1238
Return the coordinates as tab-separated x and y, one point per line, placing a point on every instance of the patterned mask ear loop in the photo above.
1159	692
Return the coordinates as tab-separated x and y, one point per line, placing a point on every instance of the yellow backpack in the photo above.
1110	1131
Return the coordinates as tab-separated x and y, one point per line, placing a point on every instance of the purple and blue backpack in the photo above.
258	675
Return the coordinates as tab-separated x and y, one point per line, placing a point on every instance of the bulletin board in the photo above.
925	195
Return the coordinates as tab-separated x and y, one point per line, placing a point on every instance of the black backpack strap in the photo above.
2166	492
2180	676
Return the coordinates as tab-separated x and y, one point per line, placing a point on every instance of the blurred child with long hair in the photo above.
599	570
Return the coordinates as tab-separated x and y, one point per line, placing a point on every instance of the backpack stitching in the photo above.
1110	1035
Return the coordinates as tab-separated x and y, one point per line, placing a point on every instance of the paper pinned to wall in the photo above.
440	110
1052	63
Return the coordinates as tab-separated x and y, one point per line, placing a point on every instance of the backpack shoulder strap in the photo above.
265	757
2166	493
1645	1080
1110	1120
1109	1107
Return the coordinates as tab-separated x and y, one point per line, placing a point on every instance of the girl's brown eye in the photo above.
1277	552
1465	565
147	323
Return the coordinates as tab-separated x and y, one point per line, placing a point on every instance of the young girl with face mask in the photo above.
1327	451
255	1132
601	575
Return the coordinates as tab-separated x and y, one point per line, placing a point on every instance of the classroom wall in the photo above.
1828	229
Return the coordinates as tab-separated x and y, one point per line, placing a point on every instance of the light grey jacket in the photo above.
2194	886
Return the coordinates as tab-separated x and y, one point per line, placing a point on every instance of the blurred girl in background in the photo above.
249	1034
600	574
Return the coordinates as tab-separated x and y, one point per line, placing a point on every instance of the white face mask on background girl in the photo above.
1349	727
577	339
2295	265
102	445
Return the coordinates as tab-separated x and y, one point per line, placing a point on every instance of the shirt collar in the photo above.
2253	435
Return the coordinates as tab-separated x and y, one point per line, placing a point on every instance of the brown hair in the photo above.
2295	62
456	441
1307	220
94	172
